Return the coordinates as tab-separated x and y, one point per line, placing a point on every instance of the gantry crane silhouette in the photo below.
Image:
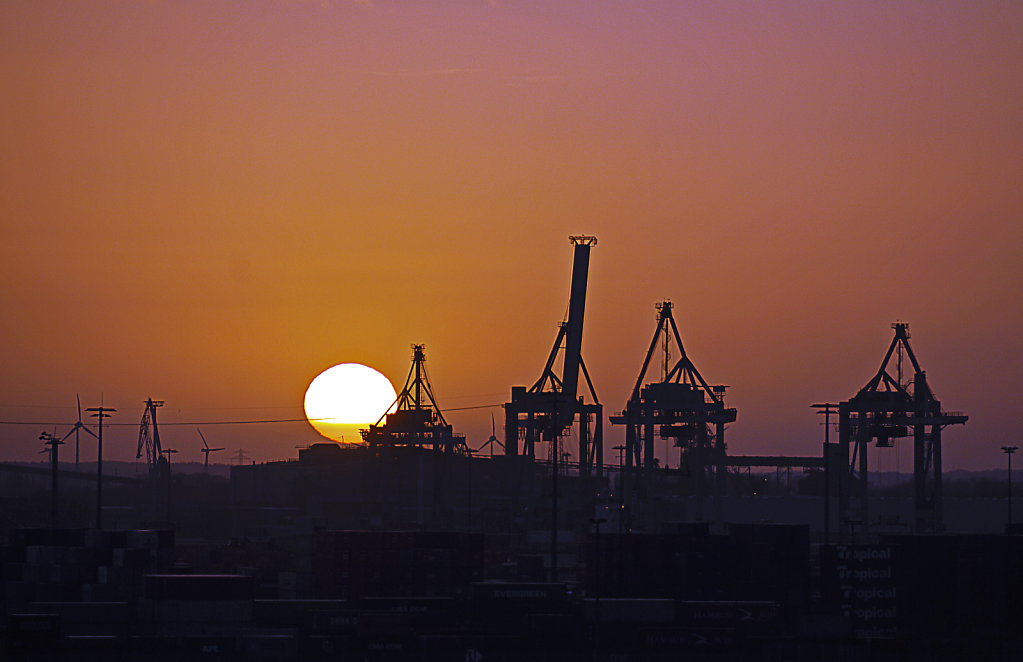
417	421
681	407
546	411
890	407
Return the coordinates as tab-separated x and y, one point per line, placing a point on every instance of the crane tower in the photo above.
546	410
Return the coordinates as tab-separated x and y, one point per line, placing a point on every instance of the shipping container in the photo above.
199	587
291	613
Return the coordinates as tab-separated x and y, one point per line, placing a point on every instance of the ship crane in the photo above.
418	421
681	407
885	410
546	411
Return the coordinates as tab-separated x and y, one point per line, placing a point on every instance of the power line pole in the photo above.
100	413
827	408
53	442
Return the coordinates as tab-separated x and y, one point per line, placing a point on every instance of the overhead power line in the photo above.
261	421
167	423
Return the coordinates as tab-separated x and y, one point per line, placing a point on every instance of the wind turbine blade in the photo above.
71	432
79	399
82	426
204	444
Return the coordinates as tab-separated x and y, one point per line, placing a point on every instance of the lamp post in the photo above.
1009	450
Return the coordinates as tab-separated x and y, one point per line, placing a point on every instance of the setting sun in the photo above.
347	397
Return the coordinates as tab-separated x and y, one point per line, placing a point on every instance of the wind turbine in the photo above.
78	427
493	437
206	450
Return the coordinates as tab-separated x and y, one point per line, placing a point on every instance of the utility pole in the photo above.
621	484
827	408
1009	450
53	442
100	413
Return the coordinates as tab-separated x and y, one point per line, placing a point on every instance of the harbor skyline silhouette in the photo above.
771	415
793	179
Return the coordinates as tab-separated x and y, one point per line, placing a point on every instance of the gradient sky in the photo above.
211	202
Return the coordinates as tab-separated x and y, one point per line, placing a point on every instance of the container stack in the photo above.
65	565
128	556
352	564
190	605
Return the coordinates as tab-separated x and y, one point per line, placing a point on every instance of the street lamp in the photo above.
1009	450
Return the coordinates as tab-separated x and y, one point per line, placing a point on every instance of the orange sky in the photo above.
211	202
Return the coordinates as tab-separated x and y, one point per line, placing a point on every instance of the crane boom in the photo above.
574	327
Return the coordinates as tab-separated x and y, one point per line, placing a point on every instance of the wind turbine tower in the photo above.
206	450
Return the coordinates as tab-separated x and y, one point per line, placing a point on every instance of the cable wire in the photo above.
263	421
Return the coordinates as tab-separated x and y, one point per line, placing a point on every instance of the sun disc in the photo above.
348	397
